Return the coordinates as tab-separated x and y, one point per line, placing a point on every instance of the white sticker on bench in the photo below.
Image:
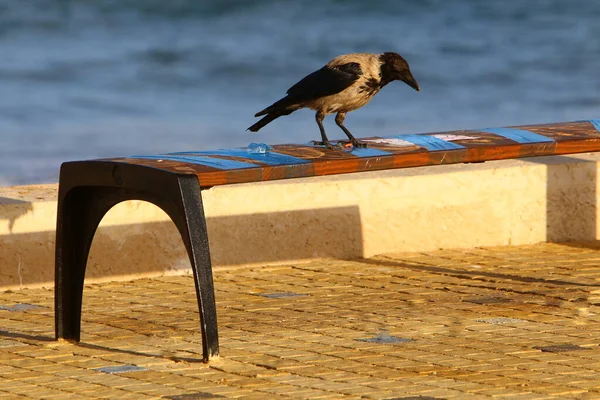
430	143
390	141
455	137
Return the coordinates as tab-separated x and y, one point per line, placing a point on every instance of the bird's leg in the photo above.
319	116
339	120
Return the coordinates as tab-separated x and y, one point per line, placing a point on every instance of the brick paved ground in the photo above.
511	322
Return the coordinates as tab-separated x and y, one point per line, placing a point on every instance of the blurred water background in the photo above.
98	78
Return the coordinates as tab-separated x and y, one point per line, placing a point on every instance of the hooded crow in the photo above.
345	84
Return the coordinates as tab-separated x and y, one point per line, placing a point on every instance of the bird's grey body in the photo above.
357	94
345	84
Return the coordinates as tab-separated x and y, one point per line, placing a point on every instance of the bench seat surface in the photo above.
221	167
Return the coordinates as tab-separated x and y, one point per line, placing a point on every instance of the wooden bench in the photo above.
174	182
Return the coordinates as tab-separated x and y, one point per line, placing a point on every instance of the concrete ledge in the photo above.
347	216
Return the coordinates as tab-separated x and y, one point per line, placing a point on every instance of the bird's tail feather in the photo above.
280	108
264	121
281	105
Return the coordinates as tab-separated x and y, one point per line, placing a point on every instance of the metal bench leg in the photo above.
86	192
193	231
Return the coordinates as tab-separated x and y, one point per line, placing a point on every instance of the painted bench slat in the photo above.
221	167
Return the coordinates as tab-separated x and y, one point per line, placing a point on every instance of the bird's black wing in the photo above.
325	82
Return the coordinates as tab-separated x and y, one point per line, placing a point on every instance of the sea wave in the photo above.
97	78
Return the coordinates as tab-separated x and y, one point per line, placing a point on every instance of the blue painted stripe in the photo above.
596	123
208	161
429	142
269	158
518	135
367	152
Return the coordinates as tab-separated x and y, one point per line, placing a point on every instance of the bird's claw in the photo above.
326	144
353	143
359	145
340	145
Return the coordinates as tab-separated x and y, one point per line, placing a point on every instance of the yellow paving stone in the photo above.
302	392
306	347
261	396
38	392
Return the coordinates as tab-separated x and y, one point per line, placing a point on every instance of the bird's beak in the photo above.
410	81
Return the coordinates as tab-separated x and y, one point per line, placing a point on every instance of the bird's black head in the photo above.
394	67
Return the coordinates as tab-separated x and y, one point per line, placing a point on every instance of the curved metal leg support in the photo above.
87	190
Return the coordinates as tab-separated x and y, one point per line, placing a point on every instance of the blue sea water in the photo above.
98	78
